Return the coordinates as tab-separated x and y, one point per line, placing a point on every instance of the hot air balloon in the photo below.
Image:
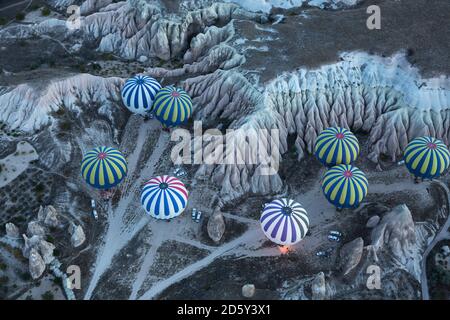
426	157
284	221
172	106
345	186
164	197
138	94
336	146
103	167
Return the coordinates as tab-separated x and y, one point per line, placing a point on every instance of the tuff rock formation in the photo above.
396	234
12	231
35	228
135	28
29	243
354	93
318	287
46	251
350	255
77	235
36	264
51	217
36	104
248	290
396	247
44	248
216	227
373	221
41	214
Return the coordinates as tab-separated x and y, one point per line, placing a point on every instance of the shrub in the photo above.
39	188
47	296
65	126
107	56
25	276
20	16
45	11
60	112
4	280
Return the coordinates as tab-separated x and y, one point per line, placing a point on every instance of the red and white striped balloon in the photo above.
164	197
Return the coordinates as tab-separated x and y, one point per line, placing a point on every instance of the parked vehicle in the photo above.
179	172
196	215
336	233
334	238
321	253
324	253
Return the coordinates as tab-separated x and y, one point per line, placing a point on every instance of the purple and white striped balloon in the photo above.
284	221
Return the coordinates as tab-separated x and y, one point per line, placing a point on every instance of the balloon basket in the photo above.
284	249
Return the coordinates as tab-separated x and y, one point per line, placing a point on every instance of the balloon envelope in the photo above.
427	157
103	167
172	106
284	221
138	94
345	186
336	146
164	197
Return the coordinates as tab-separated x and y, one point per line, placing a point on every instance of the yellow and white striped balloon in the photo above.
103	167
426	157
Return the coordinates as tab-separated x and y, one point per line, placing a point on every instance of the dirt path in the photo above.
443	234
149	258
124	222
248	237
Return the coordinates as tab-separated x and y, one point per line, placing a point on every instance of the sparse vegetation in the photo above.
107	56
33	66
65	126
25	276
48	295
60	112
2	21
20	16
81	67
3	266
4	281
39	188
45	11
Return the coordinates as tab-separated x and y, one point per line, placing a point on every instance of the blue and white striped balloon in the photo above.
164	197
284	221
138	94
